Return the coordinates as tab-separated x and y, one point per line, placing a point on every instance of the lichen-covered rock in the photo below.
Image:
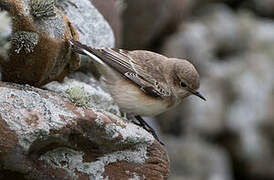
91	26
84	91
45	136
39	50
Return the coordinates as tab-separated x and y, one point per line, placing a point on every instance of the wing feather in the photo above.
121	61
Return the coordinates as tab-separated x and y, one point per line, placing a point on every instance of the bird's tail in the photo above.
80	48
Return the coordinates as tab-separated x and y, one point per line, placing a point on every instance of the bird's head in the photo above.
186	79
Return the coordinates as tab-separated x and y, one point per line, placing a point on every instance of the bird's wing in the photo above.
148	86
121	61
135	71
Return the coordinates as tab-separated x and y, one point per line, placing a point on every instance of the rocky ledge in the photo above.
44	135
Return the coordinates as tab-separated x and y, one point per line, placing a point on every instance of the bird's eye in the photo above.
182	84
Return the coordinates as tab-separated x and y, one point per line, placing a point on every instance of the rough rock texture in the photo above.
45	136
83	90
39	49
234	55
93	30
68	130
91	26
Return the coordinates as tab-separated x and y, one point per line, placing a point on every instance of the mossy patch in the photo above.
78	96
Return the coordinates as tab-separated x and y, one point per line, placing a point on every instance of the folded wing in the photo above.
121	61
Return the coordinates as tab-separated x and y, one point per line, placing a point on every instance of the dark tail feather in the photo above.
78	47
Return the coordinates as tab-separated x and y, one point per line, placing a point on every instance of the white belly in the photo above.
132	100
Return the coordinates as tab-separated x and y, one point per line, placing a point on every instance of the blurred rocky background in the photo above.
231	43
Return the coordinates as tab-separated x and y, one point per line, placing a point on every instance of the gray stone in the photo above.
5	33
45	136
96	97
93	30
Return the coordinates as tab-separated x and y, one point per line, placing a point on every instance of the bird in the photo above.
141	82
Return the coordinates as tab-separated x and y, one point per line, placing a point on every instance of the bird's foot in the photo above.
142	123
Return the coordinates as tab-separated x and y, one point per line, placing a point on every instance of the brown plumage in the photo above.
143	82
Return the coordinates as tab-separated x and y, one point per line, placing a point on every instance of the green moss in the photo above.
78	96
42	8
24	40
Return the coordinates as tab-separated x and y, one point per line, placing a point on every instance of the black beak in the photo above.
196	93
199	95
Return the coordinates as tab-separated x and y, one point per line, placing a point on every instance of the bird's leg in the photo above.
148	128
139	124
132	118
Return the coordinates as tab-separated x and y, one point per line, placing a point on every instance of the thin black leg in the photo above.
148	128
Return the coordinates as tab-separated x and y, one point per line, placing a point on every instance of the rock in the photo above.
45	136
38	52
49	29
93	30
264	7
5	33
112	12
143	21
193	158
79	86
146	24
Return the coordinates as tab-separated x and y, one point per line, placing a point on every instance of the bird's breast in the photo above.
131	99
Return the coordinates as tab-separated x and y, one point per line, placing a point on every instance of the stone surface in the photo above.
39	50
5	33
45	136
98	99
112	12
93	30
91	26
